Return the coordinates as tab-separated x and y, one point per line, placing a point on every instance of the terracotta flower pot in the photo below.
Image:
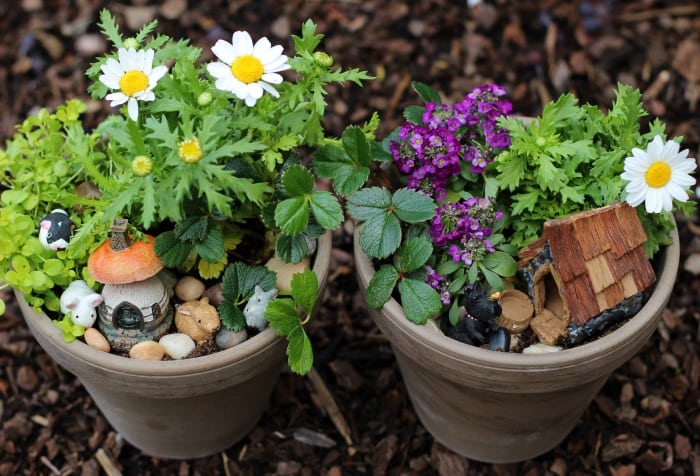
505	407
183	408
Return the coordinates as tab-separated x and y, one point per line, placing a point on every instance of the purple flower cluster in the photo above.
464	227
439	283
451	136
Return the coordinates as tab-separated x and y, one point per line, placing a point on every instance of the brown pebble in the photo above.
147	350
96	340
189	288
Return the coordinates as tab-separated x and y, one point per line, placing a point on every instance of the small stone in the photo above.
541	348
285	271
177	345
227	338
27	378
692	264
90	44
213	293
96	340
147	350
189	288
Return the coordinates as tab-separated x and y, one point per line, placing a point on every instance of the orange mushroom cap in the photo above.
137	262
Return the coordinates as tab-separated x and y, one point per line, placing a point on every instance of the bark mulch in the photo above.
646	419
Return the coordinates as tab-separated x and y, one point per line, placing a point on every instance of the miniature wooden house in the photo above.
587	263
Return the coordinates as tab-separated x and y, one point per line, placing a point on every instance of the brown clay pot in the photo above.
506	407
178	409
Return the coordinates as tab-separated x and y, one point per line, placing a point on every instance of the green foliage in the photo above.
569	160
348	163
383	214
70	330
285	315
42	165
418	299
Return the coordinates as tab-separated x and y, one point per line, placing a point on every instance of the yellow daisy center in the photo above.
133	82
658	174
190	151
247	69
141	165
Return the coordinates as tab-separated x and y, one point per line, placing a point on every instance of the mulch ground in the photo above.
646	419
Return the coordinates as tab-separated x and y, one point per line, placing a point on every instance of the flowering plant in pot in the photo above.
468	210
192	210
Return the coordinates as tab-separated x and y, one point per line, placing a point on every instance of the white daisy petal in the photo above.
255	90
157	73
133	107
112	82
270	89
224	51
117	99
250	101
242	43
272	78
219	70
262	48
112	67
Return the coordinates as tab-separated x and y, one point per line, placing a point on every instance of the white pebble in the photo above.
226	338
692	264
541	348
177	345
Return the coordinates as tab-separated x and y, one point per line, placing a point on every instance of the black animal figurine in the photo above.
55	230
478	326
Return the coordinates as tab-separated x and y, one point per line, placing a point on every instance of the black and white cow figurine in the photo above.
55	230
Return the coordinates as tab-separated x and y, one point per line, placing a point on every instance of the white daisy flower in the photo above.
658	175
247	70
133	76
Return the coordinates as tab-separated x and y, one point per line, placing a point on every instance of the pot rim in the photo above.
170	368
431	337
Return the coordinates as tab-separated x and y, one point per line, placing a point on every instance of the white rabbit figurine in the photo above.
80	300
254	311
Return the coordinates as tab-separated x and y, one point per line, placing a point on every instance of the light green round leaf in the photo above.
14	197
53	267
292	215
298	181
326	209
40	281
20	264
2	307
412	206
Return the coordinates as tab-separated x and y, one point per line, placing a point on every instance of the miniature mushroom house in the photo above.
136	303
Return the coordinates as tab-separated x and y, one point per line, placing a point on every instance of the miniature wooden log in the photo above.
549	328
516	311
